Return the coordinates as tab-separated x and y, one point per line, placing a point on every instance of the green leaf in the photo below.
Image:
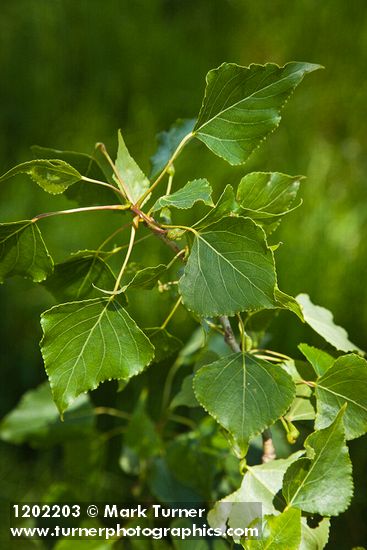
189	543
141	435
321	320
165	487
230	269
168	142
226	205
83	192
284	301
314	538
88	342
164	343
242	106
282	532
301	409
134	179
54	175
244	394
23	252
289	366
320	360
200	464
75	544
35	419
187	196
299	371
265	196
77	278
260	484
344	382
321	483
186	396
146	278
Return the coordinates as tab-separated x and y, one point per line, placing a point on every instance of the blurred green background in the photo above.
73	72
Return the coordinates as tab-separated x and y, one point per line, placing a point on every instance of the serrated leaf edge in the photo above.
195	134
215	416
107	300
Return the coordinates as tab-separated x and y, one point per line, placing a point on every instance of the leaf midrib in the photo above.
84	346
313	464
272	537
346	398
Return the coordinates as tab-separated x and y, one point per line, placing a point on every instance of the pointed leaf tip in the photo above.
133	177
242	106
322	322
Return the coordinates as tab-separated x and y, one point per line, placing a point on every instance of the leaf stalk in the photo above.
104	184
78	210
171	313
128	253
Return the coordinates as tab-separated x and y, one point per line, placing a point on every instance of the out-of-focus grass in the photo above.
74	72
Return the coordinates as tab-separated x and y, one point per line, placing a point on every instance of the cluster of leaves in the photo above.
229	286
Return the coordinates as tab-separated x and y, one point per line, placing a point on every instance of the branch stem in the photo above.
170	181
110	237
184	227
269	453
157	230
112	412
182	420
171	313
229	337
173	246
